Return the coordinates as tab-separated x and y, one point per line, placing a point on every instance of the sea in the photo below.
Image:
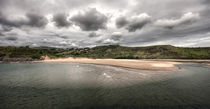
88	86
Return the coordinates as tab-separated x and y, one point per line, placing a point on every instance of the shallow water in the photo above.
85	86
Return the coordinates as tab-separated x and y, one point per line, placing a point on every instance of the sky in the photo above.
90	23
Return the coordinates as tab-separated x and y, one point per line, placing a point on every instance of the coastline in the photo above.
126	63
184	60
143	64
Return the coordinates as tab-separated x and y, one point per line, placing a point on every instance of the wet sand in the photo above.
136	64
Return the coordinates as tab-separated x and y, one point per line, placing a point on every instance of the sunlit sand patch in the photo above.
136	64
162	65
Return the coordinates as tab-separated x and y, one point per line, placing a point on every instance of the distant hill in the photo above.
111	51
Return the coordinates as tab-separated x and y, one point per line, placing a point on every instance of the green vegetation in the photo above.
26	52
111	51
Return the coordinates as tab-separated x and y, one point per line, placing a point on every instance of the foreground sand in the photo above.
137	64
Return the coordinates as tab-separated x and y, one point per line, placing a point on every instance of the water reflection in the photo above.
69	75
63	86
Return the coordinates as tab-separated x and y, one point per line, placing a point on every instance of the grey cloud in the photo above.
77	3
90	20
60	20
116	36
1	34
186	19
167	8
93	34
56	35
64	37
137	25
6	28
36	20
99	41
206	1
119	4
3	3
5	22
51	6
162	11
23	6
109	41
166	35
121	22
206	10
32	20
133	23
11	38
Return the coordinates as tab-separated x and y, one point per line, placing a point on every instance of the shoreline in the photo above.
142	64
184	60
125	63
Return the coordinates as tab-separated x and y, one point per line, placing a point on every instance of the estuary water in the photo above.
86	86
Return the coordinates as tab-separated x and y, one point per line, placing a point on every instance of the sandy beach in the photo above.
184	60
137	64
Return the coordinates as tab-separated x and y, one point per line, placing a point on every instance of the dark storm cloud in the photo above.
60	20
168	21
133	23
32	20
121	22
137	25
90	20
36	20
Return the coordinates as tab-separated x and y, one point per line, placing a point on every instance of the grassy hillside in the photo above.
111	51
151	52
26	52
